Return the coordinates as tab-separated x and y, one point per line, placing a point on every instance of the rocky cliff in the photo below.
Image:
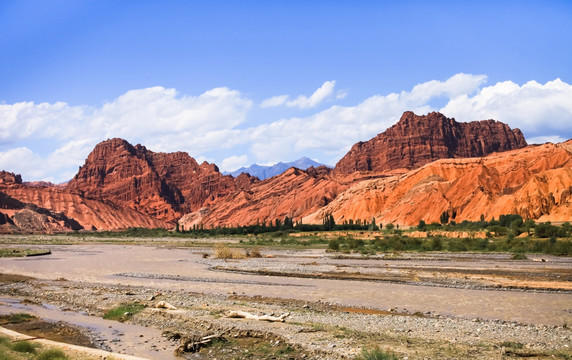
418	140
293	193
535	182
161	185
416	170
50	209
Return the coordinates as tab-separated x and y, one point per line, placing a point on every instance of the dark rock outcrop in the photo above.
418	140
162	185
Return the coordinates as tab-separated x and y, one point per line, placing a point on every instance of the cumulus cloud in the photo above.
303	102
215	125
274	101
22	160
537	109
26	119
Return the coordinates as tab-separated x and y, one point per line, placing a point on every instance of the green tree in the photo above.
329	222
372	226
444	218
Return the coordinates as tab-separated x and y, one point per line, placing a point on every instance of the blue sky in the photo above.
239	82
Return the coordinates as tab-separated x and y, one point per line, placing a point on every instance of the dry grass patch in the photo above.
224	252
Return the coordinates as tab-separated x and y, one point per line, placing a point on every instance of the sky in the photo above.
242	82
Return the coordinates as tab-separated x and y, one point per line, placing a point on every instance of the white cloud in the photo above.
234	162
544	139
156	117
216	122
536	109
26	119
158	111
22	160
274	101
341	94
316	98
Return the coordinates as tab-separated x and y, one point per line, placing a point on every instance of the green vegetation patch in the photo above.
376	354
124	312
52	354
15	252
24	347
15	318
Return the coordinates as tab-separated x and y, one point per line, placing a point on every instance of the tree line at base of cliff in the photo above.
510	233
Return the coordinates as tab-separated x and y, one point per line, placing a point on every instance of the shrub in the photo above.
52	354
224	252
334	245
253	253
24	347
123	312
376	354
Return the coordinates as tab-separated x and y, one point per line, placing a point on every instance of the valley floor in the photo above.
418	306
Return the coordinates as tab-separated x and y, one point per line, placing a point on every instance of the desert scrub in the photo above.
11	252
376	354
24	347
52	354
15	318
253	253
224	252
123	312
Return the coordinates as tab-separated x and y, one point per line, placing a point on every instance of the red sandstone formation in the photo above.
161	185
293	193
418	140
535	182
393	177
48	209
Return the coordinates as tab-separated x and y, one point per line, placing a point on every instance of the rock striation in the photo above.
418	140
534	182
50	209
161	185
292	194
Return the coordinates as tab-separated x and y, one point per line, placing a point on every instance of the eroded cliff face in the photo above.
535	182
293	193
49	209
161	185
416	170
418	140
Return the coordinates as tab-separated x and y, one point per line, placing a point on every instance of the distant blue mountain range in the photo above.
264	172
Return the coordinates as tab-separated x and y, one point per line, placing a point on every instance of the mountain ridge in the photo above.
263	172
412	171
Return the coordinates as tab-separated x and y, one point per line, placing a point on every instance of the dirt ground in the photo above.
429	306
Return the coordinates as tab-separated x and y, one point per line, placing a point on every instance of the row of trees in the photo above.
506	225
288	224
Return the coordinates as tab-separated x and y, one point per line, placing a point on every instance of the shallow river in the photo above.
101	264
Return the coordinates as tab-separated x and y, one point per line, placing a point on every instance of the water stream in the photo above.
110	335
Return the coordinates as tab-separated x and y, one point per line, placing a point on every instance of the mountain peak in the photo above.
416	140
264	172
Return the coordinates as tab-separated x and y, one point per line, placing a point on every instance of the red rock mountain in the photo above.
535	182
161	185
417	169
50	209
418	140
293	193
